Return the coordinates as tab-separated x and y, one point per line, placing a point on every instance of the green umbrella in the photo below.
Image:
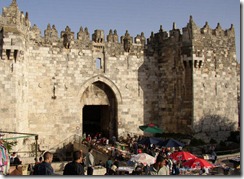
151	128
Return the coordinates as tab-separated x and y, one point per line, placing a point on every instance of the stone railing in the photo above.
71	139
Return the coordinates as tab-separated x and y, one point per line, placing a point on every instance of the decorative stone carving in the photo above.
127	40
50	34
140	39
36	33
116	37
87	34
80	34
54	33
47	33
218	30
98	36
14	16
27	21
83	35
206	29
67	36
112	37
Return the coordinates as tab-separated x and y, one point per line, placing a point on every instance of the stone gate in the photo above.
185	81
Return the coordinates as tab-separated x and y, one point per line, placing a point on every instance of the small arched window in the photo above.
98	63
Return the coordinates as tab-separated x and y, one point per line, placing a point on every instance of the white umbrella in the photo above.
143	158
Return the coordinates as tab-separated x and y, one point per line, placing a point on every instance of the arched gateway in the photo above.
99	98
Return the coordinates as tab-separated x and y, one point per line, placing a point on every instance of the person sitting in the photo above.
202	171
137	171
113	170
100	163
116	162
17	161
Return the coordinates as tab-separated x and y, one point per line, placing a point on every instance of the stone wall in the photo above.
68	71
215	82
177	80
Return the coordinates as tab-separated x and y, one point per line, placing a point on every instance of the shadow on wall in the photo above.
64	153
148	88
212	126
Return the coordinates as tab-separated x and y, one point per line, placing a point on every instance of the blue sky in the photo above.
136	16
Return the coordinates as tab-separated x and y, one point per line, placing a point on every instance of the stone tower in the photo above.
199	80
14	30
58	86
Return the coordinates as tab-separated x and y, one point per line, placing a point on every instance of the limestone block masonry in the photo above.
185	81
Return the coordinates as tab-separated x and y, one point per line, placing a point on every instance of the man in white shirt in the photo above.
90	162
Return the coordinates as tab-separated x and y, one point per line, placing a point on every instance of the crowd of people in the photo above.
162	166
84	164
75	167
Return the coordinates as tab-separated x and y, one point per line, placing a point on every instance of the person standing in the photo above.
163	169
45	167
75	167
108	164
175	169
153	169
90	162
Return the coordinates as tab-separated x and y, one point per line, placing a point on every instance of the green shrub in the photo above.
9	145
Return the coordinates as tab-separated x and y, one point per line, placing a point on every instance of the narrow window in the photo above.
8	53
15	55
200	63
99	63
185	63
195	63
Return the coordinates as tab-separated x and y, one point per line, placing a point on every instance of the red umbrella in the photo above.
197	163
182	155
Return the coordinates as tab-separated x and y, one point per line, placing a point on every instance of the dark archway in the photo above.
99	113
94	116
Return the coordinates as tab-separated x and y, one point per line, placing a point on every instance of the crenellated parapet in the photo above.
188	36
83	35
67	37
14	33
51	34
218	31
175	33
112	36
83	39
140	39
14	20
127	41
35	34
188	33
